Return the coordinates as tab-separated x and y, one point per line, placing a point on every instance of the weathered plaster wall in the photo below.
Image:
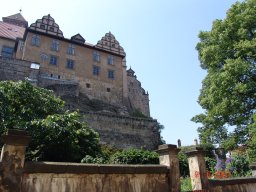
125	132
69	177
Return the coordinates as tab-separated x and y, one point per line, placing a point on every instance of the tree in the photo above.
228	93
56	135
21	103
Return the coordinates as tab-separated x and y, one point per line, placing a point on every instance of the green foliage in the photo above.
210	164
240	165
61	137
56	135
186	184
135	156
139	114
252	141
21	103
103	156
183	159
183	162
94	160
228	54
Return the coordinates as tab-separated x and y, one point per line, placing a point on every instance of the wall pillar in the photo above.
12	159
169	157
197	169
253	168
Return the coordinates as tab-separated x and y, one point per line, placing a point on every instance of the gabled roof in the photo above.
16	19
78	38
10	31
17	16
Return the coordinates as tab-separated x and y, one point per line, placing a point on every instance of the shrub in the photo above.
135	156
239	165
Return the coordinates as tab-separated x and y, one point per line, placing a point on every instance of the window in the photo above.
96	70
55	45
96	56
88	85
108	89
35	40
51	29
70	64
71	49
21	45
53	60
7	51
42	26
44	57
110	60
111	74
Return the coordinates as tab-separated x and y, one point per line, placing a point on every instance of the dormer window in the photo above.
96	56
55	45
71	49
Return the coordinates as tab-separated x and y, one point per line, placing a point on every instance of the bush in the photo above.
186	184
135	156
239	165
183	160
94	160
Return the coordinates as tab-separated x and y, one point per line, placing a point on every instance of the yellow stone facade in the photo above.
98	70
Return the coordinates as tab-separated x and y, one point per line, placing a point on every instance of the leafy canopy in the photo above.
228	93
56	135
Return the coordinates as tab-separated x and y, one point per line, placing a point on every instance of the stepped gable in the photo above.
47	25
78	38
16	19
109	43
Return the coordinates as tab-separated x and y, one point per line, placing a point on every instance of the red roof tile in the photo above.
11	31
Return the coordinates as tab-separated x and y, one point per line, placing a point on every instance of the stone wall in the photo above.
233	185
200	181
15	175
113	122
125	132
137	97
71	177
12	69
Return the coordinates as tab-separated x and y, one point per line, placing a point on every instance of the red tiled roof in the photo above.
11	31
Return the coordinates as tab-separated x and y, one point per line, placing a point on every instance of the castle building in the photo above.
80	72
99	70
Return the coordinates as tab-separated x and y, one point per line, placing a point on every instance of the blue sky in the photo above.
159	38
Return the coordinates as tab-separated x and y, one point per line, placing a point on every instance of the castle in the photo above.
92	78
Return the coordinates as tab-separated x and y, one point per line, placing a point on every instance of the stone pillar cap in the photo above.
162	149
16	137
194	151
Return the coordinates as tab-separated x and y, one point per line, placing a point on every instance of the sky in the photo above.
159	38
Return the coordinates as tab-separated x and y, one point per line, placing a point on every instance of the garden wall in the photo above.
201	182
17	175
39	177
233	184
